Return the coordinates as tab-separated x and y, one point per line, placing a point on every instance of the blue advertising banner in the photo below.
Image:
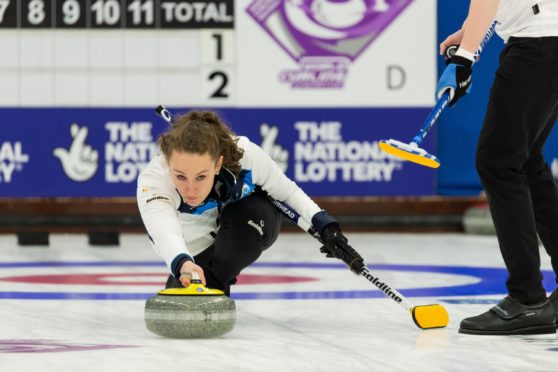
80	152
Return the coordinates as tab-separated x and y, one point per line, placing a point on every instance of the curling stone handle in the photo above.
195	278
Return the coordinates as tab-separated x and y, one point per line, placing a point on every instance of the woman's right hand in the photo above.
453	39
186	273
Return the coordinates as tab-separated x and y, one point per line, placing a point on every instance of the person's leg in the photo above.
246	228
519	110
544	195
545	203
541	181
521	105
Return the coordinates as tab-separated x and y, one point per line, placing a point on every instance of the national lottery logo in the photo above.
12	159
323	36
129	149
81	160
279	154
321	154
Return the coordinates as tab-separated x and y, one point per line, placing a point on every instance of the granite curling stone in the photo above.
193	312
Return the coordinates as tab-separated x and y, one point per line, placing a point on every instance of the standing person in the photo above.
521	191
204	202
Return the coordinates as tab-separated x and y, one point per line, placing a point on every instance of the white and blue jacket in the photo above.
176	230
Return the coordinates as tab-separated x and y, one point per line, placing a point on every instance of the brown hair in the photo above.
201	132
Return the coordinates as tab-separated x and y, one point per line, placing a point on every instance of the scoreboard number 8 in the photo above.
36	12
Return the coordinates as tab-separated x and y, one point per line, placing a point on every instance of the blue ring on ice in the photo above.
491	282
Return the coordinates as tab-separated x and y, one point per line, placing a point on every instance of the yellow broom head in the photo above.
410	152
430	316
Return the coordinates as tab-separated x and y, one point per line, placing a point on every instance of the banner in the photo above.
82	152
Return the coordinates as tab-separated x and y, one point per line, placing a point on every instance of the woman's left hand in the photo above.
186	273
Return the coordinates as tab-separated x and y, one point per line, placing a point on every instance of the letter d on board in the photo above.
396	77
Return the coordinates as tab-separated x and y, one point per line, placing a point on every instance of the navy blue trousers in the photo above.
247	227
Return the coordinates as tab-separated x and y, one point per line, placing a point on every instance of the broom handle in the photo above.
444	100
431	118
382	285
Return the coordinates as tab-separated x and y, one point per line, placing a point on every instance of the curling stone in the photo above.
193	312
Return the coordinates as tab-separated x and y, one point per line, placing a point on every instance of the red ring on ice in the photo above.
109	279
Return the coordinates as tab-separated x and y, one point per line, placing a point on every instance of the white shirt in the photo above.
176	230
517	18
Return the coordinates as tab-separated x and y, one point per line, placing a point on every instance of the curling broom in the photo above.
412	151
424	316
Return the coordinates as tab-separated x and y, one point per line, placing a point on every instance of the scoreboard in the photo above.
229	53
116	14
116	53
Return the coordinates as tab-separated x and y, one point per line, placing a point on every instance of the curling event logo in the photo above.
323	36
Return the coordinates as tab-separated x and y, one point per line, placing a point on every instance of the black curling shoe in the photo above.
510	317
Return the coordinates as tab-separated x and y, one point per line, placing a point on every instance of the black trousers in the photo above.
247	227
521	191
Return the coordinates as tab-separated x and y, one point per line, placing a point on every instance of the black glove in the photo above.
457	78
335	244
